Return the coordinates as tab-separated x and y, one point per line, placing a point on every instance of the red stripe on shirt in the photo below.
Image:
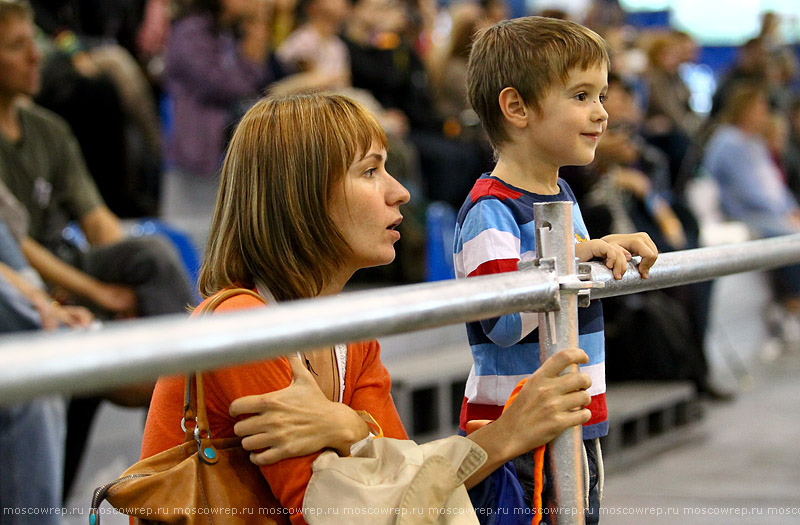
494	188
495	266
472	411
598	409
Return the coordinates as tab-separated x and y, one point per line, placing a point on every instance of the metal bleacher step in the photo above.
649	417
429	369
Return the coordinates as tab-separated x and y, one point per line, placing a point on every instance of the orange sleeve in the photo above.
371	387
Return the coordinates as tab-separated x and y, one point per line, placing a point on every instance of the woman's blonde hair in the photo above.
530	54
272	220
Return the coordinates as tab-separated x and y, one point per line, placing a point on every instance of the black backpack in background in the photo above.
649	336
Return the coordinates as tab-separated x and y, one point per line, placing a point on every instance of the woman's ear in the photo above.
513	107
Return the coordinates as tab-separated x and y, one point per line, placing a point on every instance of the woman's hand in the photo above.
295	421
548	404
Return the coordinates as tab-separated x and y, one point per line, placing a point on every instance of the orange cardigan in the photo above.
367	387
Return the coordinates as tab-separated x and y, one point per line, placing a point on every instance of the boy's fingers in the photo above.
649	256
646	263
619	262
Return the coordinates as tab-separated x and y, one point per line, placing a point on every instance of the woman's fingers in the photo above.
555	364
248	405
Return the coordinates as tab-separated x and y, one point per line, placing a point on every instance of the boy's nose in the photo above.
600	113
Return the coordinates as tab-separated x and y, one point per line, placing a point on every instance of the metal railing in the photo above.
33	364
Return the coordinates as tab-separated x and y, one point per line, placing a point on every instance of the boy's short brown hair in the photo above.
531	55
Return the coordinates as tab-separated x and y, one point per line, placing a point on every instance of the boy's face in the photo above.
19	58
571	122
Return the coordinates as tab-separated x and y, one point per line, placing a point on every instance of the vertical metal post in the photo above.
555	240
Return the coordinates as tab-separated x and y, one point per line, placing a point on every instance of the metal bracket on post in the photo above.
555	251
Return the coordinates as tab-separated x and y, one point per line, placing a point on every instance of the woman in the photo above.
752	188
305	201
670	123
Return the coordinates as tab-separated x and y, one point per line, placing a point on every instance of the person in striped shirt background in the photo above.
538	85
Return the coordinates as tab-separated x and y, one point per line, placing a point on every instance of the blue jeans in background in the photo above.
31	436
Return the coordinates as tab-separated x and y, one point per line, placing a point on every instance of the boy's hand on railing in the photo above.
295	421
613	255
637	244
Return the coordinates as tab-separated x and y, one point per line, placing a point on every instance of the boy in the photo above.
538	86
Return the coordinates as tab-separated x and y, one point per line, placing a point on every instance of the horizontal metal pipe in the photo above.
702	264
130	351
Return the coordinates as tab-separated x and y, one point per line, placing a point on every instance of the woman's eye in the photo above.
370	172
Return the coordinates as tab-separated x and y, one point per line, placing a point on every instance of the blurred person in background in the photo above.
449	73
670	121
44	170
628	59
32	432
384	61
753	190
791	156
752	60
218	61
318	58
91	78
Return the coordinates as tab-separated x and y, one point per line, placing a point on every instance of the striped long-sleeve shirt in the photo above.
494	232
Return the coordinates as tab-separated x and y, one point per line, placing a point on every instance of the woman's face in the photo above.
366	209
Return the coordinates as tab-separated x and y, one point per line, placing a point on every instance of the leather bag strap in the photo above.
196	410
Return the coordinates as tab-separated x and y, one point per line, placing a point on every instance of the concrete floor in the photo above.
742	467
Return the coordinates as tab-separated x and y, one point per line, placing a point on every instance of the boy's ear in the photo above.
513	107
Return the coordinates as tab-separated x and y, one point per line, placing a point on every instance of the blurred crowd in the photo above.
150	91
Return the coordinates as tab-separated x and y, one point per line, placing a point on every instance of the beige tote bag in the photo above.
392	481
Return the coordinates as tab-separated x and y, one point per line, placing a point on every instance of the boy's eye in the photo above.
603	99
581	97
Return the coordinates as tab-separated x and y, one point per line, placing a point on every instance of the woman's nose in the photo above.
396	194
